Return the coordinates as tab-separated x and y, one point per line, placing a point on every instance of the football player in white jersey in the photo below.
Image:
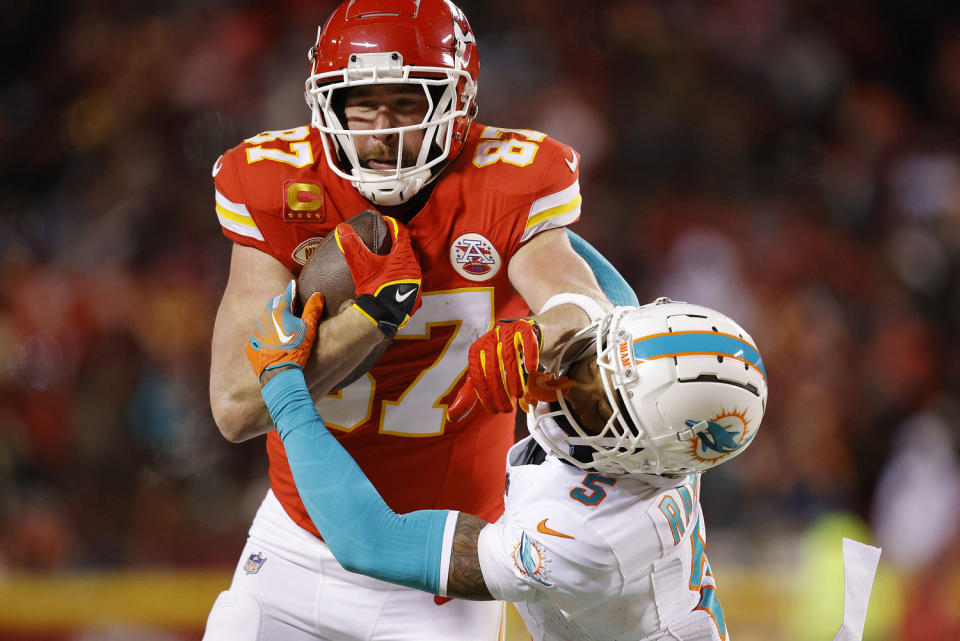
602	537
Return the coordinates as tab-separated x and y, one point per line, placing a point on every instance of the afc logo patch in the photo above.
474	257
254	563
302	203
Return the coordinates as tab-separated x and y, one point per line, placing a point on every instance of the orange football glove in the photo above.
498	367
542	387
387	287
280	338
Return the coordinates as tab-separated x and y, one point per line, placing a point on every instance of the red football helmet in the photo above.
425	43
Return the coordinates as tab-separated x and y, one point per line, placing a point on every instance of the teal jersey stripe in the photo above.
691	342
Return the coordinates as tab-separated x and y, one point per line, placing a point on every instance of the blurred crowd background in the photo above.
793	163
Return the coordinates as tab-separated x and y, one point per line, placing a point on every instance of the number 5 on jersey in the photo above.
591	493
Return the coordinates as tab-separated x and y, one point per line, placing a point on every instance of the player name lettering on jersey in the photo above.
670	506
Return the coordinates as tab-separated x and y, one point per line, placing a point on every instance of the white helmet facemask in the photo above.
439	84
686	384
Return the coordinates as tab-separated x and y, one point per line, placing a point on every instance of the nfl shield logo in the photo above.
254	563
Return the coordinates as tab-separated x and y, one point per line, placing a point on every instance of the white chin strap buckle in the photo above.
391	192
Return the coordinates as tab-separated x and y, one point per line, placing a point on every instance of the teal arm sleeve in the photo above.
611	282
364	535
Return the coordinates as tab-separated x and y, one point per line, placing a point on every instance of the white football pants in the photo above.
288	587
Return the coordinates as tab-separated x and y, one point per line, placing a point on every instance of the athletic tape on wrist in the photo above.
589	306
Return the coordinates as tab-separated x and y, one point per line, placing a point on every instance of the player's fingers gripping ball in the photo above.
388	286
280	337
501	361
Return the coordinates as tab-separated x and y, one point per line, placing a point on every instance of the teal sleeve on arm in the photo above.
610	280
362	532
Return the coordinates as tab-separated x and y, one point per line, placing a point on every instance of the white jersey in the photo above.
588	557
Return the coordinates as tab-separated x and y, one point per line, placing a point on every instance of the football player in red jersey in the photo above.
391	89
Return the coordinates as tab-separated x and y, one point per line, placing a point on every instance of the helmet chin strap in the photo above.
389	193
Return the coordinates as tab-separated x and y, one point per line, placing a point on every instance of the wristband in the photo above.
589	306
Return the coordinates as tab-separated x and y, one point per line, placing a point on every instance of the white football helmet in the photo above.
686	383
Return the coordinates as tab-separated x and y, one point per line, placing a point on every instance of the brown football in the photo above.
327	272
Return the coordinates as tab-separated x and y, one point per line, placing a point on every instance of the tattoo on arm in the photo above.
465	580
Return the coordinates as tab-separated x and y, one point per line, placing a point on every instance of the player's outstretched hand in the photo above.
387	287
280	338
499	365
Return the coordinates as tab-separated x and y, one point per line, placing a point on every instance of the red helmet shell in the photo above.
428	33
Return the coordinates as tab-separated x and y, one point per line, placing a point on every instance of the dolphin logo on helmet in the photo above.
716	437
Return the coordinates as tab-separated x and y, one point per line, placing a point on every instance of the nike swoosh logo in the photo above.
543	529
284	338
572	163
402	297
217	166
440	600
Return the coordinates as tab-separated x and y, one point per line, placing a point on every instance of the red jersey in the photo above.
276	193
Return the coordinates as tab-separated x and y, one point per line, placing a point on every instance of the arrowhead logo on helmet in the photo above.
464	36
